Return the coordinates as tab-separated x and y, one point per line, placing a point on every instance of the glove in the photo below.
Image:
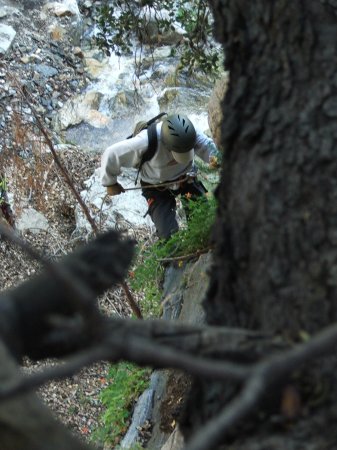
213	162
115	189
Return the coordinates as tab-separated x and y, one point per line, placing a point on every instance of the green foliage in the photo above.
188	240
127	382
196	236
3	189
121	22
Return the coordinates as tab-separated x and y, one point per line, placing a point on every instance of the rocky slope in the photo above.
41	68
39	71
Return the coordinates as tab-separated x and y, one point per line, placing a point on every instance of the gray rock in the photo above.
141	414
32	220
150	32
45	70
7	35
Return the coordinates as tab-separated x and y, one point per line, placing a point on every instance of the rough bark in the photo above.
276	257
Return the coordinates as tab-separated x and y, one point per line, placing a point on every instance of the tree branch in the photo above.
33	327
134	307
61	301
265	375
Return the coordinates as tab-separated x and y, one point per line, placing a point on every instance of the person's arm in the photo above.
206	149
126	153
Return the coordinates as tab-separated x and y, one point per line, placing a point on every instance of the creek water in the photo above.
126	98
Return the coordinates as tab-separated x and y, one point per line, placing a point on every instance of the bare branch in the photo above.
264	376
70	289
133	348
186	257
131	344
80	291
50	144
156	343
135	308
70	183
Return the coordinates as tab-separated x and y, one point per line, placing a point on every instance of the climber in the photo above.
177	142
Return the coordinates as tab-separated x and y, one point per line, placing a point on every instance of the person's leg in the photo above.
162	210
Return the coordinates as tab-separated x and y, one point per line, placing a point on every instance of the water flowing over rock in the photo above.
91	100
126	99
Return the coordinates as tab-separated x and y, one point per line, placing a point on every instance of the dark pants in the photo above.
162	204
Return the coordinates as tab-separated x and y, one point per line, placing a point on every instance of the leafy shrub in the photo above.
120	22
189	240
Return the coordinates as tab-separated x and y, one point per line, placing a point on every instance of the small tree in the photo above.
123	23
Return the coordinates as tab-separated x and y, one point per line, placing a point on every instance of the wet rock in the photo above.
93	66
81	108
122	103
183	99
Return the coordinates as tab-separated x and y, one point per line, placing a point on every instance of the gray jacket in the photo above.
162	167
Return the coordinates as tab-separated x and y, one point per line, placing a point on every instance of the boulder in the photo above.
150	32
182	99
83	108
122	103
32	220
7	35
63	8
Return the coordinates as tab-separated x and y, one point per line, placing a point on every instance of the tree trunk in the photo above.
275	266
276	261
